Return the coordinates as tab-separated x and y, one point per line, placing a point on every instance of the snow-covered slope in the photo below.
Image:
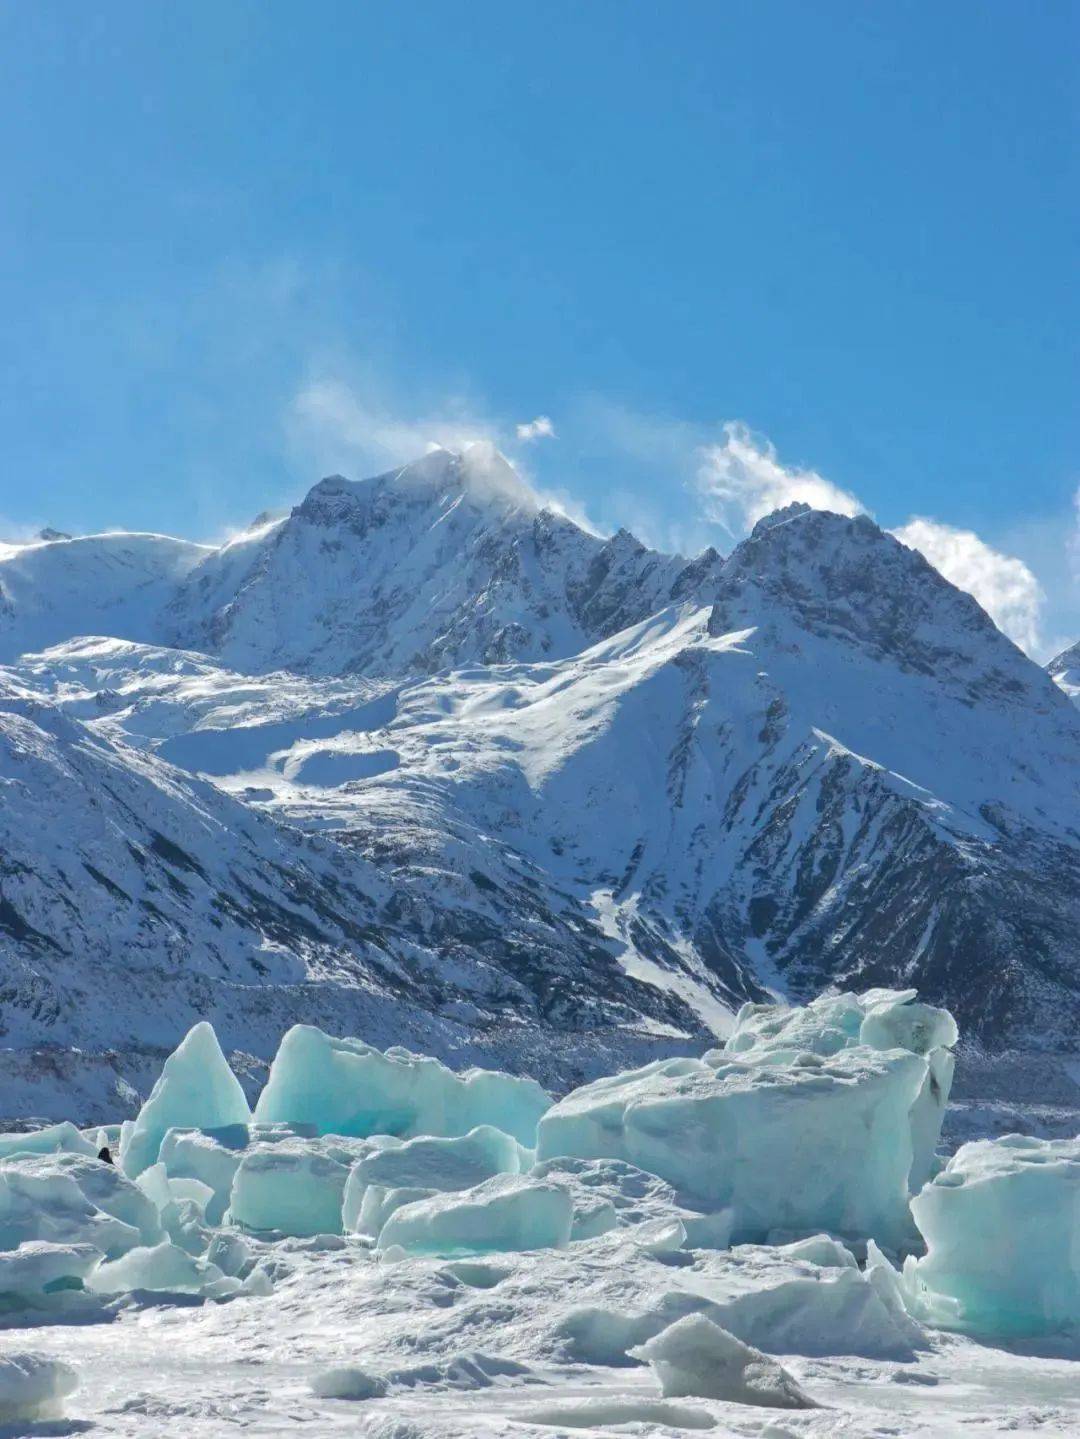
135	899
558	794
1065	671
114	584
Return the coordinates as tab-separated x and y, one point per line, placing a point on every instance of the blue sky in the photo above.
243	244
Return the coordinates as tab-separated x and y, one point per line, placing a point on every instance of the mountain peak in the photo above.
478	474
809	574
783	516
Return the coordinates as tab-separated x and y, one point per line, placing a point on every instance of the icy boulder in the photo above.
880	1019
33	1388
1002	1230
210	1157
56	1138
38	1268
348	1382
402	1172
509	1212
295	1188
105	1186
344	1086
163	1267
609	1194
365	1209
70	1199
814	1143
696	1357
449	1164
196	1089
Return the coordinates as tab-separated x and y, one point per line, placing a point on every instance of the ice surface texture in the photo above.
1002	1229
46	1141
397	1173
878	1018
508	1212
296	1188
70	1199
164	1266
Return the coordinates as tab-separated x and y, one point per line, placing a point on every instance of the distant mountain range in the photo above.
428	762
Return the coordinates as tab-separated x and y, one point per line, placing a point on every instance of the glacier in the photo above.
344	1086
690	1267
196	1089
849	1093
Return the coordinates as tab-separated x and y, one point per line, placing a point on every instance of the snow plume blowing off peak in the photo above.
478	473
489	477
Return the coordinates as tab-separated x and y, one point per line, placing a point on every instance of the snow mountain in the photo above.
433	764
448	561
1065	671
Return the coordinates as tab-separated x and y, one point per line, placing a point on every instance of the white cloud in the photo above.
539	429
1004	586
742	480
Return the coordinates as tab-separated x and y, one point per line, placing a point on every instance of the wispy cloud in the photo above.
735	475
1004	586
340	426
14	533
739	477
741	480
539	429
357	427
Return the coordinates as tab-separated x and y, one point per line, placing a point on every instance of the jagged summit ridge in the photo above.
479	475
449	560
